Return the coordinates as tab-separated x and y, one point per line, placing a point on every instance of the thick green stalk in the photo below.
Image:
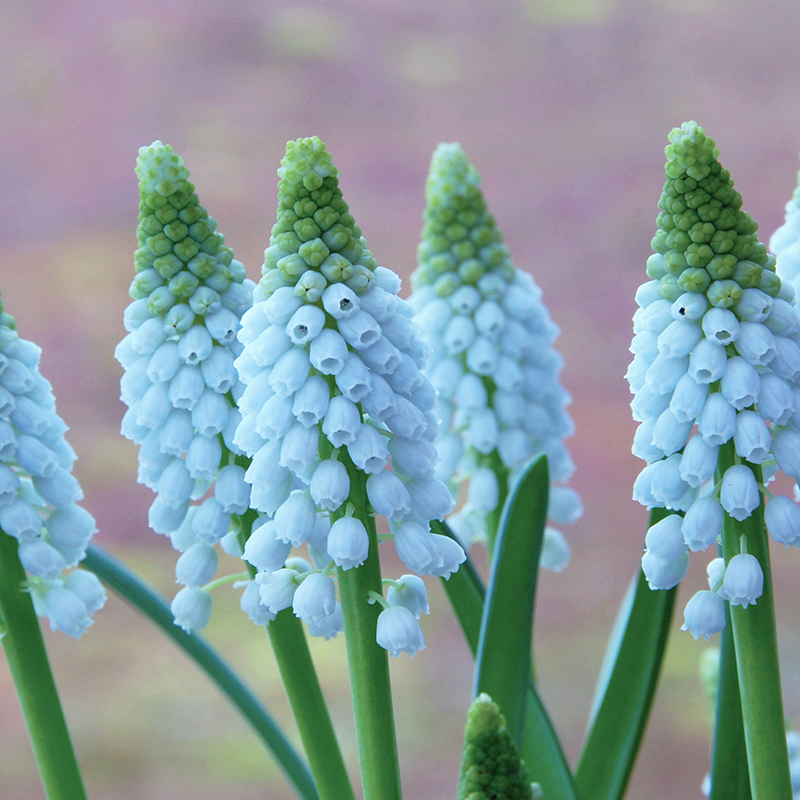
493	519
130	586
369	662
729	774
756	646
27	659
308	706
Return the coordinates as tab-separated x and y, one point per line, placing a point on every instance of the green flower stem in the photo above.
729	775
369	662
308	706
756	646
24	648
138	594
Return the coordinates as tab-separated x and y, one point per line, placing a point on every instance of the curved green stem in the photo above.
129	586
369	662
308	706
756	646
24	648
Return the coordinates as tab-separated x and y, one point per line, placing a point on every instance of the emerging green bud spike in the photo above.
315	231
702	227
179	248
460	241
491	768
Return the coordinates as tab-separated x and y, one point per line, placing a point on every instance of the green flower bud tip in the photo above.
314	232
707	242
491	768
179	248
460	241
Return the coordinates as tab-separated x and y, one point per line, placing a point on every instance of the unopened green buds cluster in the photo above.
492	363
180	383
491	768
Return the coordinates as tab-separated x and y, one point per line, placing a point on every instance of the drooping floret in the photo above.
39	494
180	383
334	391
716	346
492	363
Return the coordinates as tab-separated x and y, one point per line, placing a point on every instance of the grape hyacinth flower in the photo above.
336	413
38	493
715	381
492	363
785	243
180	383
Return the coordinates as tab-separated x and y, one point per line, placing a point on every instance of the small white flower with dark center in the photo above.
189	294
38	493
500	399
716	360
332	390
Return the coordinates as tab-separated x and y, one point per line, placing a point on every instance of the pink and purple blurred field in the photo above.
564	107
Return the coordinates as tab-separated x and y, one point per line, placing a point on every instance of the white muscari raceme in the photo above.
716	359
39	494
500	399
180	382
333	394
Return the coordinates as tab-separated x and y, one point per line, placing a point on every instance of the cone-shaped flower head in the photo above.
189	294
717	346
785	242
491	767
38	493
493	366
333	392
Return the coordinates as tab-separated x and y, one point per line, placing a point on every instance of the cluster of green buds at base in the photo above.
716	369
38	493
336	415
500	399
180	384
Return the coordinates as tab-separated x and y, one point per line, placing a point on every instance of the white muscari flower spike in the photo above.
492	362
38	493
189	294
333	387
725	360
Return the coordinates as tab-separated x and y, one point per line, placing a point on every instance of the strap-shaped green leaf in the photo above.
503	660
541	749
136	592
625	689
730	777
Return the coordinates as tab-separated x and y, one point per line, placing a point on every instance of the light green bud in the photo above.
186	249
179	318
445	285
220	280
721	267
360	279
202	265
146	281
336	237
204	301
313	252
724	294
669	288
656	267
183	285
292	267
160	301
311	286
471	271
273	280
694	279
748	274
770	283
167	266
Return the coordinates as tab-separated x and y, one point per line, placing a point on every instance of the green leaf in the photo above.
625	689
503	660
541	750
136	592
730	777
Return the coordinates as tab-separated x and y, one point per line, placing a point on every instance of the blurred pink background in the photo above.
564	107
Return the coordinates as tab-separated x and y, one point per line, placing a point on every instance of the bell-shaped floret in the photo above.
399	632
